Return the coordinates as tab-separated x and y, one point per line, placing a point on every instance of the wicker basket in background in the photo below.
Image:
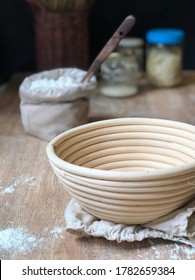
62	38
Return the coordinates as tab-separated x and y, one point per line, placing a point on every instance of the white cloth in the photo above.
178	226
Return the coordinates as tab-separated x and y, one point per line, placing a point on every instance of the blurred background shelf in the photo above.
17	32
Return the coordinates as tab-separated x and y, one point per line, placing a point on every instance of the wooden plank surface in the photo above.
172	103
32	200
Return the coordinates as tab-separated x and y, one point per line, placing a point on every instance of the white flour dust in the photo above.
57	232
176	250
18	240
190	253
157	255
60	83
22	181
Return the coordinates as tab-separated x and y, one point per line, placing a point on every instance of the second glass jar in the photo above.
119	75
164	57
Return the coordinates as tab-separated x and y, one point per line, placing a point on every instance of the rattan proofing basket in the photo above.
129	170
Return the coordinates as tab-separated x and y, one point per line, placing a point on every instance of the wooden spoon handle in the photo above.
120	33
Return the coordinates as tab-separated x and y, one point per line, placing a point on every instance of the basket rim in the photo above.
119	175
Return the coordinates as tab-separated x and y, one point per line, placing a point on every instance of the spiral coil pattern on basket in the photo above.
128	170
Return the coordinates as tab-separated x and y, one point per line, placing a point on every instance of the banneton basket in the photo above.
129	170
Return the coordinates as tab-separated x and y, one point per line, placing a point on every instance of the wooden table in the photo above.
32	200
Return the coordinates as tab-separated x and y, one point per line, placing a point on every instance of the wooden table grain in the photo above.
32	200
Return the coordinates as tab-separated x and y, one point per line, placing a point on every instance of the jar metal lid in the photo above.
131	42
169	36
120	54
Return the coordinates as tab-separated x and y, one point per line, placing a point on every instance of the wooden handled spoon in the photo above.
120	33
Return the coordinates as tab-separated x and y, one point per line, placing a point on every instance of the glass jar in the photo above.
164	57
137	46
119	75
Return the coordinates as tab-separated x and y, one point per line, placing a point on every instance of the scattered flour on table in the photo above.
190	253
176	250
18	240
22	181
57	232
157	255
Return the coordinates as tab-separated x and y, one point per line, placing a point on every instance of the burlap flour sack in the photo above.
54	101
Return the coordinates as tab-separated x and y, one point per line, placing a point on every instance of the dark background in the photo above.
17	40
